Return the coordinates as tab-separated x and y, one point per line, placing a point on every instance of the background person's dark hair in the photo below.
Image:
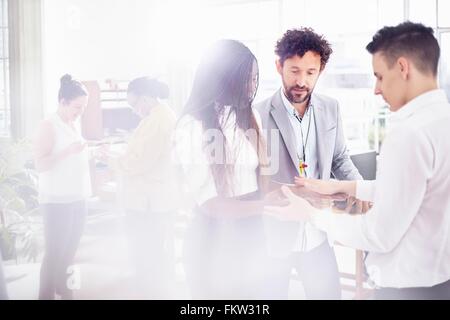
412	40
224	78
299	41
70	89
145	86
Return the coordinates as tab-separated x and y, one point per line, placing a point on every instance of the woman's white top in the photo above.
69	180
192	144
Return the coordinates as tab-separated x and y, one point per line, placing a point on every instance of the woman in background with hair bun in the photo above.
61	158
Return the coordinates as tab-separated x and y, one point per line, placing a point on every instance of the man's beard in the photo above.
293	98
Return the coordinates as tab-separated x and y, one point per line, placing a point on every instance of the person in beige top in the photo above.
147	185
148	177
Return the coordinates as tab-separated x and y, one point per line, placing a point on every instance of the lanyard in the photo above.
302	160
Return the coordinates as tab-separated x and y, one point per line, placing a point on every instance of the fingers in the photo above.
356	206
359	206
279	208
276	202
288	193
366	206
272	194
300	182
275	211
311	184
339	196
350	202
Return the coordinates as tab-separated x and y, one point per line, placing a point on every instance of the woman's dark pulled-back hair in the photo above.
224	79
70	89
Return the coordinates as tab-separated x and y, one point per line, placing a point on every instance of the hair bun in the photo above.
67	78
162	89
70	88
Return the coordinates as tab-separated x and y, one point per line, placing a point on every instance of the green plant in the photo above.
20	222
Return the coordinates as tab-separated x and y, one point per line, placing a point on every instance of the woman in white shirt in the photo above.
220	149
61	158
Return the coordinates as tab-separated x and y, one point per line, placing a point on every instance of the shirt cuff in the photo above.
365	190
323	221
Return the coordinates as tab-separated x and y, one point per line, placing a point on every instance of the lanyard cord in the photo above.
304	142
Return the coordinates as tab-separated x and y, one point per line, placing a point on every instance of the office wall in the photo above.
122	39
96	40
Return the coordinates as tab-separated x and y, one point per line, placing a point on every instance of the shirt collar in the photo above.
419	103
289	107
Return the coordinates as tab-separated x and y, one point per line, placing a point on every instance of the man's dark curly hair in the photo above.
299	41
412	40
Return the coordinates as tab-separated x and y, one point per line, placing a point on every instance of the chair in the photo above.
366	163
359	278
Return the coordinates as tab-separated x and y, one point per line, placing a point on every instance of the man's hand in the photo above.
327	187
275	198
352	206
295	209
357	206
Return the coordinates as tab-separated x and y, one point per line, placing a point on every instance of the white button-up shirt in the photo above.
407	230
309	236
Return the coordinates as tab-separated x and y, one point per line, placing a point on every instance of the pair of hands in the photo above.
295	208
75	148
101	153
288	206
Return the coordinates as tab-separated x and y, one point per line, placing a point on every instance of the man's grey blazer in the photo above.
333	158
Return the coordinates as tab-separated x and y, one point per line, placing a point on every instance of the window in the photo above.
348	76
257	25
348	25
445	62
443	17
4	71
423	11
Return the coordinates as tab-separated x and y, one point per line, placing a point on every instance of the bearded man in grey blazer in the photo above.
308	141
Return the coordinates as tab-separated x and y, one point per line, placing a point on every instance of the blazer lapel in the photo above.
324	136
279	114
